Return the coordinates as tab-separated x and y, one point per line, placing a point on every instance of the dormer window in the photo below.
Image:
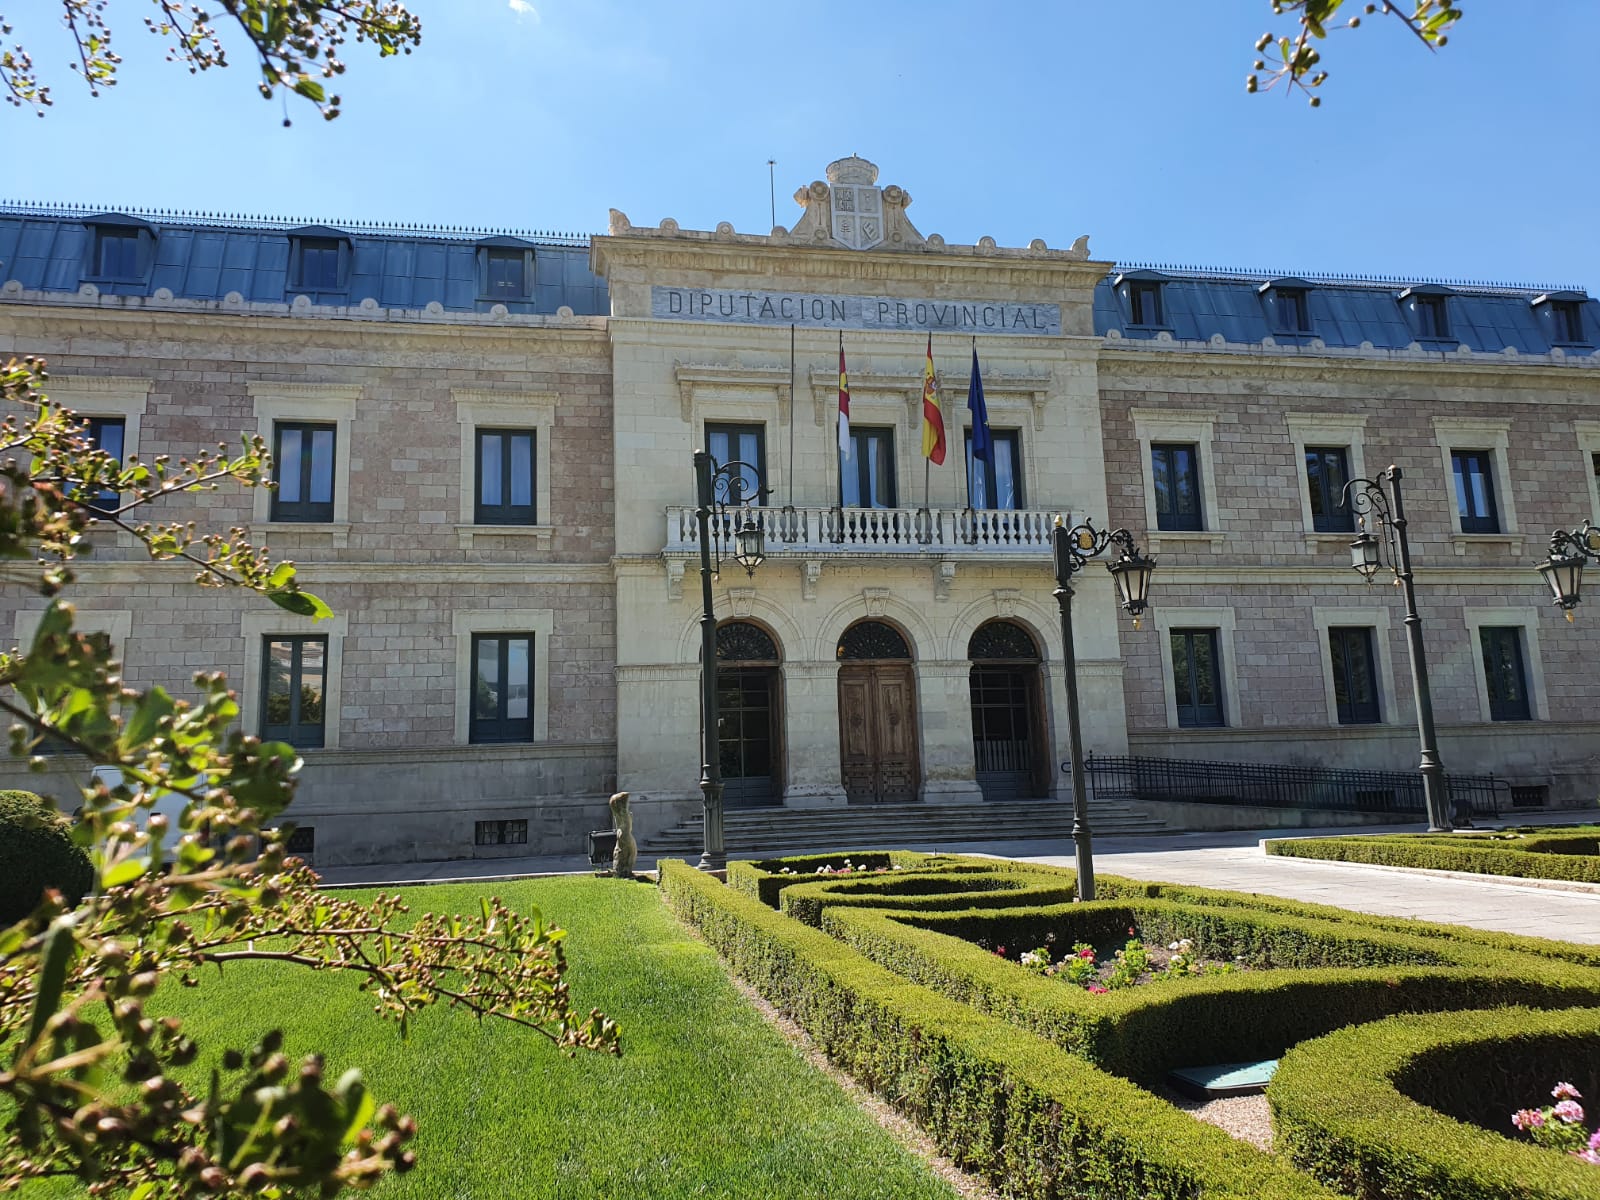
1144	302
1563	315
319	260
505	270
120	248
1428	305
1288	305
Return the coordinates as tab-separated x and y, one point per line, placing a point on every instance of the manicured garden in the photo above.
706	1100
1532	852
909	971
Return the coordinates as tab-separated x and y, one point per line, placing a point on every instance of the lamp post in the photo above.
720	492
1073	548
1563	570
1381	499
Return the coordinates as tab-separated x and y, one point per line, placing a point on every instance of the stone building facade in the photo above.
494	492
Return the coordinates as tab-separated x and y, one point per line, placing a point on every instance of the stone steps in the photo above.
890	826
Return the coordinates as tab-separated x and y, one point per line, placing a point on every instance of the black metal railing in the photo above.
1277	786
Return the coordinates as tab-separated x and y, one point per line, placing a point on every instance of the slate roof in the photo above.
206	257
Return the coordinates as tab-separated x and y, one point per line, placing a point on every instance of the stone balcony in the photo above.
817	533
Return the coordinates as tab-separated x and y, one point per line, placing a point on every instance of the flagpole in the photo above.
791	419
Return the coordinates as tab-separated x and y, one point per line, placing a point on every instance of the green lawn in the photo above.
707	1099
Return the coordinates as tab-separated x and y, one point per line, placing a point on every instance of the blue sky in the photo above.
1123	119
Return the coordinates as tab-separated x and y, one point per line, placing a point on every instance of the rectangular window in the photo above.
505	477
501	833
1503	672
1002	486
1474	472
116	254
866	477
1293	315
1144	302
1327	471
1432	319
1567	316
502	687
1197	677
1355	674
744	444
108	434
293	679
319	265
507	275
1175	471
302	455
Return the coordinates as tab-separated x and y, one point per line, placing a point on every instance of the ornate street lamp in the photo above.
1563	570
1073	548
1385	507
726	493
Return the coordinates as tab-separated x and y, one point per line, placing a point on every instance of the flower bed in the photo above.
1565	854
1420	1105
1135	964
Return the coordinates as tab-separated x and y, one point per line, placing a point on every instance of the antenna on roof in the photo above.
772	190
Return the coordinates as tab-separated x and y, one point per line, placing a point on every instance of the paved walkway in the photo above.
1231	861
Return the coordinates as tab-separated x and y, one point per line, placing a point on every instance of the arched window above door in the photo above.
873	639
741	641
1002	640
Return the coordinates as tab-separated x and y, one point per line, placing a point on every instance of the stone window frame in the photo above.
1347	430
1223	621
1588	434
324	403
1154	426
1527	620
122	396
115	623
479	409
255	628
540	623
1377	620
1493	435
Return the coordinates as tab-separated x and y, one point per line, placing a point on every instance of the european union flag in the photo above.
982	440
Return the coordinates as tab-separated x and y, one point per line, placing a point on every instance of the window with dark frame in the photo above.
506	474
1327	472
318	264
1355	674
1433	319
744	443
1175	475
108	434
1567	315
1505	673
303	455
866	477
1002	486
506	274
1294	315
500	833
1474	477
1196	678
116	254
502	688
293	679
1144	302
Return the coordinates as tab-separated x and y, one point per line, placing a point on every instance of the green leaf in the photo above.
302	603
360	1104
59	945
311	90
282	575
124	870
154	706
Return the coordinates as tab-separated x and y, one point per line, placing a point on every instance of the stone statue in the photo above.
627	851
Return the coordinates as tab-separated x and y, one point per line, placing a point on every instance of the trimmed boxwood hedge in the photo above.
1565	855
1360	1109
924	891
766	878
1343	974
37	852
998	1100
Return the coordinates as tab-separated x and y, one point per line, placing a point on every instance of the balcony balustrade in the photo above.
811	532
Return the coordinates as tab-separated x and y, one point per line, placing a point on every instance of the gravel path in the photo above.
1247	1118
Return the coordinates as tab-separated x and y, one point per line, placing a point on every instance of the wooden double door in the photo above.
878	732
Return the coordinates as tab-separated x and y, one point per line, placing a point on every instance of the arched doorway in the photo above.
749	725
1008	740
877	715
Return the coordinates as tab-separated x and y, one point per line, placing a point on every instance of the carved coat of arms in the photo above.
857	215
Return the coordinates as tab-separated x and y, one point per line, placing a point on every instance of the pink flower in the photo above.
1097	990
1527	1118
1565	1091
1000	950
1086	953
1569	1111
1594	1140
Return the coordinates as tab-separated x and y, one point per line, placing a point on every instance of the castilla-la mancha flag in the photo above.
932	416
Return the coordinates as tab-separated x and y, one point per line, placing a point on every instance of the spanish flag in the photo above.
932	417
844	404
